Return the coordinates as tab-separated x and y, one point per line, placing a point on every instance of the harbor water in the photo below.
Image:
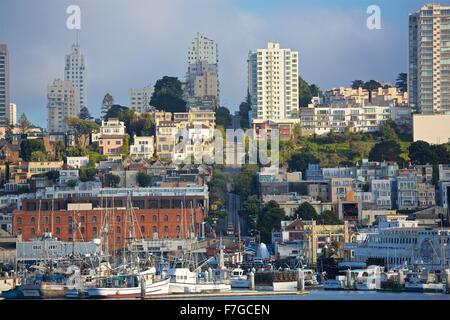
337	295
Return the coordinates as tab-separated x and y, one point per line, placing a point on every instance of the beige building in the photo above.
360	96
62	102
43	167
434	129
143	147
273	82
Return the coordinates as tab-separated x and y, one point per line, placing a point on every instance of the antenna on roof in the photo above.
76	37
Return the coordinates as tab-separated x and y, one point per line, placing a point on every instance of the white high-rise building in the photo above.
62	102
75	72
429	60
273	82
203	49
202	77
11	114
4	84
140	98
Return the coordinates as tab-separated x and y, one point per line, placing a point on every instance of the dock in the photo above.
226	294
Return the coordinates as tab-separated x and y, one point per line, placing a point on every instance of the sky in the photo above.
132	43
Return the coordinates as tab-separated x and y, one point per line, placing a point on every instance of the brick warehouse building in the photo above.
81	219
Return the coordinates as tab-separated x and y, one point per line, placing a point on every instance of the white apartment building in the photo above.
203	49
4	83
77	162
273	82
429	59
324	119
196	127
112	127
143	147
11	114
382	191
140	98
75	72
62	102
202	77
68	175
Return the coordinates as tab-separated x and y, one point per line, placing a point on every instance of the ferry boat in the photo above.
129	285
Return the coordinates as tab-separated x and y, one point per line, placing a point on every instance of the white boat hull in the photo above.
157	288
333	285
240	283
175	287
424	287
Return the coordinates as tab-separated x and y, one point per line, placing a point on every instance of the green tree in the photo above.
300	160
356	84
82	129
306	212
84	113
402	82
27	147
385	151
168	95
387	132
38	156
111	180
315	90
371	86
107	103
251	210
87	174
441	153
269	220
420	153
223	117
24	124
117	111
143	179
218	185
72	183
245	182
329	217
244	109
304	93
126	145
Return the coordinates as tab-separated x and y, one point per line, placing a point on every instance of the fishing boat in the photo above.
417	282
183	280
335	284
238	279
129	285
9	283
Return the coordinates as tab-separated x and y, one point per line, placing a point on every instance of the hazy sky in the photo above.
132	43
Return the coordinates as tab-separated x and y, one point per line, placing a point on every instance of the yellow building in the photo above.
43	167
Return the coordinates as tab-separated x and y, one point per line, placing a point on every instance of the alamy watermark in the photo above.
73	22
374	20
200	145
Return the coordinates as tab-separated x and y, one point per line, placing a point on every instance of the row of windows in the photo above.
94	219
118	230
